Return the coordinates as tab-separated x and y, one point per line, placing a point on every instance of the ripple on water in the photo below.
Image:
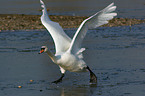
115	55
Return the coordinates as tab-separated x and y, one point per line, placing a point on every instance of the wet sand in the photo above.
30	22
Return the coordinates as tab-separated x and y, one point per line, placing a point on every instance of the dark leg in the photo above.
59	80
93	78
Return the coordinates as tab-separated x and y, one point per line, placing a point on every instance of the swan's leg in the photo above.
93	77
60	79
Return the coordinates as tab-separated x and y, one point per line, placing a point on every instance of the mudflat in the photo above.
24	22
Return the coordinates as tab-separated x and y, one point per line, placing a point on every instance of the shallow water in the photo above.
115	54
125	8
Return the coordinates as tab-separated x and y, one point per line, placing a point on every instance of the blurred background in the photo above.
125	8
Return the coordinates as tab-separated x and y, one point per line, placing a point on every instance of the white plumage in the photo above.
68	54
61	40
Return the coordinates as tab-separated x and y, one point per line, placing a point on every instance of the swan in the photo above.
68	55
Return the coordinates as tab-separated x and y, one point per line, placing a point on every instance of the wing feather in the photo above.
61	40
96	20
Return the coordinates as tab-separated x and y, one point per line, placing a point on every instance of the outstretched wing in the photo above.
96	20
61	40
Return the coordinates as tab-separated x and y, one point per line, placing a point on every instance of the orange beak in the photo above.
41	51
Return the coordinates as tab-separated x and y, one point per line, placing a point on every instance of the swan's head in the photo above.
43	49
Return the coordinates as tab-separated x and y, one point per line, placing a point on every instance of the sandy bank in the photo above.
22	22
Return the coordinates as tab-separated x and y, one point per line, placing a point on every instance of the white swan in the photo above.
68	54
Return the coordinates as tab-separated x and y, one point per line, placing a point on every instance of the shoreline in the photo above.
26	22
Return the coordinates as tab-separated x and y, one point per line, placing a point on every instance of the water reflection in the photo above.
78	91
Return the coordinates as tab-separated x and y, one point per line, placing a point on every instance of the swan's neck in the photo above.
51	55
